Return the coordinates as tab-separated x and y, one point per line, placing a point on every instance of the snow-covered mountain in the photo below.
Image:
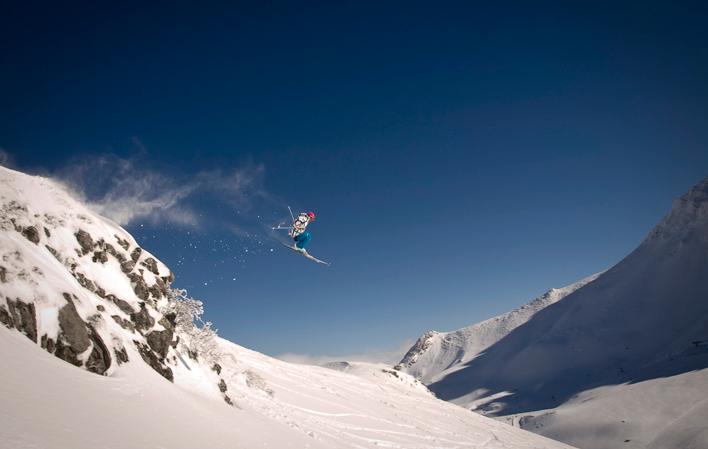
619	361
437	354
77	288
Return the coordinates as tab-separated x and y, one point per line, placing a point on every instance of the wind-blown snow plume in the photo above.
5	158
127	190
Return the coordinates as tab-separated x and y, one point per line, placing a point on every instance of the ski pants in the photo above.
303	239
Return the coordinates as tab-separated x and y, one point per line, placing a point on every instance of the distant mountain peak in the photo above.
436	353
689	212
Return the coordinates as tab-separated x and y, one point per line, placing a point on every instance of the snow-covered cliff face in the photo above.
76	287
645	318
76	283
437	354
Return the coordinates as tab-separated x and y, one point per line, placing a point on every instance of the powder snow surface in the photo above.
663	413
48	403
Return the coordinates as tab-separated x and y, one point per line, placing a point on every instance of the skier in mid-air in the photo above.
298	232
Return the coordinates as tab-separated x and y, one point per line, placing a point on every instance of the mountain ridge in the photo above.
635	322
435	354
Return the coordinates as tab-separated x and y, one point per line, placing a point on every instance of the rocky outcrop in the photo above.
100	358
139	286
142	319
159	341
100	257
21	316
121	355
73	328
48	344
155	363
125	324
122	305
151	265
135	255
31	233
123	243
88	324
85	241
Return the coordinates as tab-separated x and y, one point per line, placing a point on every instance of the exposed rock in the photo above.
66	353
127	266
151	359
6	318
151	265
100	308
73	327
217	368
125	324
169	320
139	286
122	305
54	252
100	292
3	275
159	289
31	233
155	292
100	256
85	282
47	233
100	359
143	321
113	252
228	400
48	343
23	317
222	386
85	241
123	243
135	255
160	341
121	355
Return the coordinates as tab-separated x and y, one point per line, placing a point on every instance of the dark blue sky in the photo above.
461	157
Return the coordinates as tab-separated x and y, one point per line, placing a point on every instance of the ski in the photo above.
305	254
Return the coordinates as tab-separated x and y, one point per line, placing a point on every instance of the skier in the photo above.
298	233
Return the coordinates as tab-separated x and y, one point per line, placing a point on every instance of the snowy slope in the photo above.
635	322
617	362
437	354
76	288
662	413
